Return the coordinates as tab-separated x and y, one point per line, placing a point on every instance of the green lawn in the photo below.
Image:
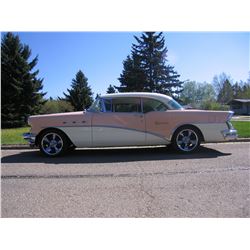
14	135
243	128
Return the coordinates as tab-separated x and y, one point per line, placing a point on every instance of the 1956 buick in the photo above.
130	119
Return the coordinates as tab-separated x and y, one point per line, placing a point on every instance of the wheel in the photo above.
186	139
53	143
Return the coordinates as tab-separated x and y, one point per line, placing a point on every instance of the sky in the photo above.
197	56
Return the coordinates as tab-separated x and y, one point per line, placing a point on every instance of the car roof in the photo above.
138	94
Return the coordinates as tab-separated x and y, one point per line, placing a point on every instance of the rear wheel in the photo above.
186	139
53	143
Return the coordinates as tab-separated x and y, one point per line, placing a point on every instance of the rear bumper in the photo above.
30	138
230	134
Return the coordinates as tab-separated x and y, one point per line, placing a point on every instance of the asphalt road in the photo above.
145	182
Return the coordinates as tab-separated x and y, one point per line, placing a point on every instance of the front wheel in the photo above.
53	143
186	139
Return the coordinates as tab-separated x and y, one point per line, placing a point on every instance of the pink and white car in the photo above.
130	119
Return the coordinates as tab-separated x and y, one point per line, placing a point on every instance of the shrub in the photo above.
56	106
207	105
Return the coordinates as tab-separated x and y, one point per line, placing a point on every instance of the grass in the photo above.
243	128
14	135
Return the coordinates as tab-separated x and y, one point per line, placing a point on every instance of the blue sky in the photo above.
196	56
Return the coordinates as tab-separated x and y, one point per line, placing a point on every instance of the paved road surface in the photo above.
148	182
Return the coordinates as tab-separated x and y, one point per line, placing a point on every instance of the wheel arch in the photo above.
49	129
188	125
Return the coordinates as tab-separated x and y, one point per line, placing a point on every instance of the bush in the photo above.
214	106
56	106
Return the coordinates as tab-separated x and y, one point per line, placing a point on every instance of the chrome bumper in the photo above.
31	138
230	134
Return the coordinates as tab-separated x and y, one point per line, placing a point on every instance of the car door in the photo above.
120	123
156	121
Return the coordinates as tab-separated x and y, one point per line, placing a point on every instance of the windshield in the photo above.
172	104
96	106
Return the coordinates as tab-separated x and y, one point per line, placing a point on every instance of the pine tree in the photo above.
110	89
133	77
80	94
146	70
226	93
21	89
237	90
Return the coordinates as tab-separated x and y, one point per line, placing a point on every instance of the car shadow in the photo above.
86	156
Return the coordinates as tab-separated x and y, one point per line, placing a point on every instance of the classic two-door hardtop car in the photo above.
130	119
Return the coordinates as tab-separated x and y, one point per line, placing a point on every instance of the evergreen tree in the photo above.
146	70
21	89
237	90
80	94
133	77
111	89
245	92
226	93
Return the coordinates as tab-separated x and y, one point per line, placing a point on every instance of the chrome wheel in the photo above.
52	144
187	140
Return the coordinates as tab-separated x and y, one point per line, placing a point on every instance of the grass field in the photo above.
243	128
14	135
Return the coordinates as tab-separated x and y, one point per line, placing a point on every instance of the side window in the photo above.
153	105
126	105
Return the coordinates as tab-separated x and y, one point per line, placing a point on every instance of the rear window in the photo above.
153	105
174	104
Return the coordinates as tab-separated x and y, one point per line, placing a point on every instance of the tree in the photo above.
133	77
226	93
146	69
245	91
197	93
218	81
111	89
21	88
237	90
242	89
188	95
80	94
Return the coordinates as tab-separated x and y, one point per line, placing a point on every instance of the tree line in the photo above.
145	69
215	95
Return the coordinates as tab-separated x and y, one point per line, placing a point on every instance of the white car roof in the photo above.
157	96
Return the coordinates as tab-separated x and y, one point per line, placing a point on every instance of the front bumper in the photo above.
31	138
230	134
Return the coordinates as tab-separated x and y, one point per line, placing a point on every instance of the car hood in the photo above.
55	119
